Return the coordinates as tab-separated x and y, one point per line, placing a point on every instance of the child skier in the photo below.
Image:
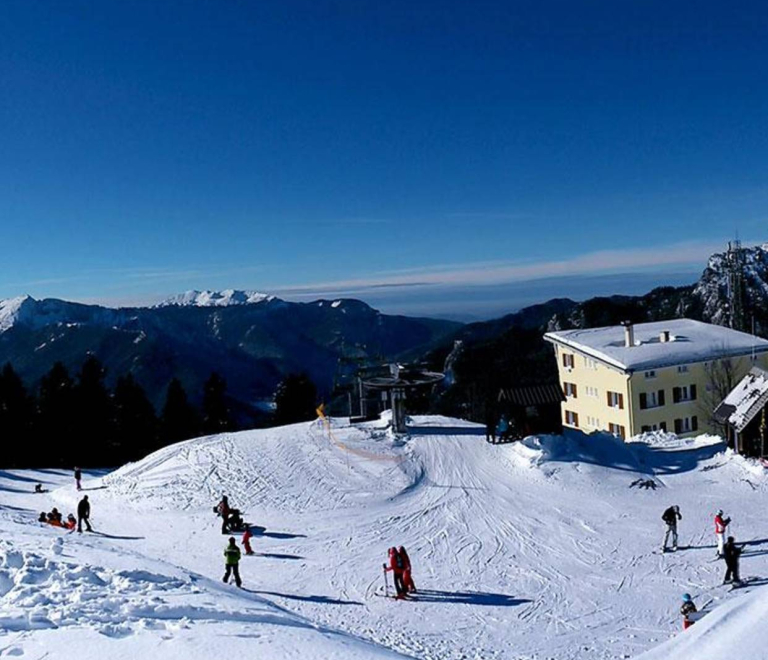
397	566
408	584
721	525
688	607
232	561
247	541
671	516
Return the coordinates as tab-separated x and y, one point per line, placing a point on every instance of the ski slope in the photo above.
534	550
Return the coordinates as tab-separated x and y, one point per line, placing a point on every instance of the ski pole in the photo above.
386	582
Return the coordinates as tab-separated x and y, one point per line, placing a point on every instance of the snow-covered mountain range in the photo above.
215	298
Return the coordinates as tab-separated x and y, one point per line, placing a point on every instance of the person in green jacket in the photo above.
232	558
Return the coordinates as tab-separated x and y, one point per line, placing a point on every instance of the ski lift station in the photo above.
395	387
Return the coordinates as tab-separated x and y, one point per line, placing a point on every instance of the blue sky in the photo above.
425	156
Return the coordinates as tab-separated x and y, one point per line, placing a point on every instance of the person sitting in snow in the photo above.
247	536
686	609
731	553
408	584
232	561
671	516
39	488
71	522
721	524
397	566
223	510
43	517
54	517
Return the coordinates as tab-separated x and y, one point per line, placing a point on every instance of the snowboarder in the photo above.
247	541
721	525
408	584
396	565
731	554
223	510
84	514
671	516
232	559
78	477
688	607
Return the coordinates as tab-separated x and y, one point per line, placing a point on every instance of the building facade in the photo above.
663	376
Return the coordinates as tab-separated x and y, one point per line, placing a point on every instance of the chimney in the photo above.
664	336
629	334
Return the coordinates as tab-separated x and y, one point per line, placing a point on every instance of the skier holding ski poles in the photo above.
397	566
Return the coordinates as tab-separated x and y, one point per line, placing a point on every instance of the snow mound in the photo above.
736	629
224	298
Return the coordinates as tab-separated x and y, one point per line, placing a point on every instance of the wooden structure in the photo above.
743	414
527	410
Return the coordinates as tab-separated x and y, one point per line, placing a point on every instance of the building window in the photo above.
531	411
617	430
682	369
650	374
648	428
571	418
589	363
684	393
615	400
651	399
570	390
594	422
592	391
568	361
686	425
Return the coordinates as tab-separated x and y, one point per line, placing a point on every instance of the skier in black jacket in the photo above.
84	514
671	516
731	553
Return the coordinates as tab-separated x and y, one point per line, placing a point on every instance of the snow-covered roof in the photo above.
745	400
689	341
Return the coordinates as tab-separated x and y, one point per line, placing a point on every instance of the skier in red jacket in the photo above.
397	566
247	541
720	526
408	584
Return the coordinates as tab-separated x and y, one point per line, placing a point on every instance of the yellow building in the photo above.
666	375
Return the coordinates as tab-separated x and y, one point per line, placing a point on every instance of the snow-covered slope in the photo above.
546	548
215	298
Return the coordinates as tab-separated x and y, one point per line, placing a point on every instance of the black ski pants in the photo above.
397	578
80	521
233	569
732	571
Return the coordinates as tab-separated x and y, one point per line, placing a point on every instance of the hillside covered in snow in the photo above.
546	548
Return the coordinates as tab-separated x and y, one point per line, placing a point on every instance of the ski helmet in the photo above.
687	598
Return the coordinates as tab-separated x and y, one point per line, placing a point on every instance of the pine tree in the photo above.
136	424
179	419
56	418
17	409
94	416
295	399
216	415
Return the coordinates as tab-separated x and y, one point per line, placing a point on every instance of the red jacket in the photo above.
720	525
396	563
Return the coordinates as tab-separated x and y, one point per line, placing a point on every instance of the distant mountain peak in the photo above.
224	298
12	310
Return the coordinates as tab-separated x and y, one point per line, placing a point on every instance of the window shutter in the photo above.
694	423
575	392
575	419
643	400
678	426
676	397
622	433
661	398
608	396
693	392
621	402
565	360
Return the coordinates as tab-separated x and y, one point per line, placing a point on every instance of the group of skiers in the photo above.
55	518
232	521
400	566
726	550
